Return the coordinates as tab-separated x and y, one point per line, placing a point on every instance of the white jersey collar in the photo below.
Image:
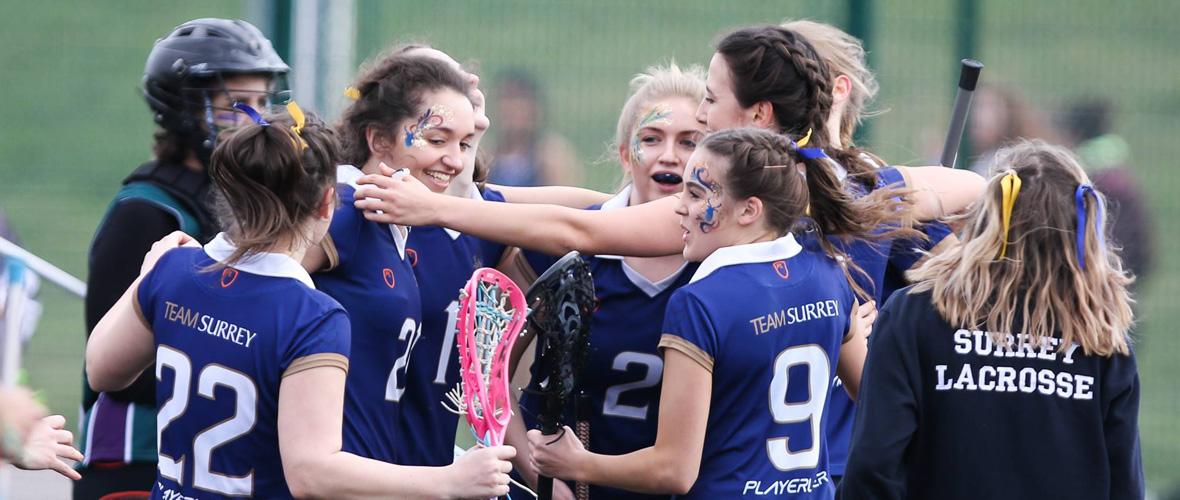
766	251
276	265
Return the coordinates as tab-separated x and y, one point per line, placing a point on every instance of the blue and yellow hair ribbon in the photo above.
252	113
300	120
1009	188
808	153
1079	195
806	139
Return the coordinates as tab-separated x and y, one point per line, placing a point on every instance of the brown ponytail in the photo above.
763	164
267	184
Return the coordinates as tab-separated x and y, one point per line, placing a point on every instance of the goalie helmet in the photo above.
182	65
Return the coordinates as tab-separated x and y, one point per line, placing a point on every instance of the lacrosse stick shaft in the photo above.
545	483
582	410
549	427
46	270
968	77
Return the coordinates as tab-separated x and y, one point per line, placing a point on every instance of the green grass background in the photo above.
73	123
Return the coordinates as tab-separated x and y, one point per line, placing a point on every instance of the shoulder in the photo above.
490	194
908	298
893	176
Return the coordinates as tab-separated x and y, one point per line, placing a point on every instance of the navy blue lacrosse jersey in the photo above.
623	368
372	278
443	261
948	412
225	338
767	319
884	263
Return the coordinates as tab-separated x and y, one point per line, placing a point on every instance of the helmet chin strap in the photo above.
204	145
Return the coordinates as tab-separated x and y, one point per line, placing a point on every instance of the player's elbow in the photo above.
304	477
968	187
573	235
101	376
677	477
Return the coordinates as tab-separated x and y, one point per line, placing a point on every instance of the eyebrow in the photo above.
448	130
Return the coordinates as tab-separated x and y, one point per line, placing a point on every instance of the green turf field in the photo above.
74	124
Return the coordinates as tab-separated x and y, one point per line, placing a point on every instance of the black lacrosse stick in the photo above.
562	300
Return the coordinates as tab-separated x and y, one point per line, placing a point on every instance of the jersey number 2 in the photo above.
811	411
654	371
393	388
245	413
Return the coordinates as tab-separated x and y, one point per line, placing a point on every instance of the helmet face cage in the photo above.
186	68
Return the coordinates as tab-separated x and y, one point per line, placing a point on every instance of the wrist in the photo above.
441	208
448	478
582	464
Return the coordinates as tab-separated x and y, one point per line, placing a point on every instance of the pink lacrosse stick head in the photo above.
492	311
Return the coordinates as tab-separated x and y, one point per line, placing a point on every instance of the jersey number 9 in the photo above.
818	373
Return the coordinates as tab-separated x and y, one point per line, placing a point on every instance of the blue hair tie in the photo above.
1079	196
812	153
245	108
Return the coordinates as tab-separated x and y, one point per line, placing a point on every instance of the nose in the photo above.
702	112
668	153
682	207
453	158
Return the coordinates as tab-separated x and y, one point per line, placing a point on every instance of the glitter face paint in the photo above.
701	175
658	114
434	117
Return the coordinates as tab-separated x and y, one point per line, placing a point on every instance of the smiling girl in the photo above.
414	113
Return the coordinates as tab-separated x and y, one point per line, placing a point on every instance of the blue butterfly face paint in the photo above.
434	117
702	176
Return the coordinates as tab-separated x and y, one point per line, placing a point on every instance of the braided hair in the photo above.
776	65
799	190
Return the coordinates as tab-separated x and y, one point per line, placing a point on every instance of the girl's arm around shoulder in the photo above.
941	191
122	345
647	230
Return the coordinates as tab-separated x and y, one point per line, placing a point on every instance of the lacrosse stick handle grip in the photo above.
582	407
968	77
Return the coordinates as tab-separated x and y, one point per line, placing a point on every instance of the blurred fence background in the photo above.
74	124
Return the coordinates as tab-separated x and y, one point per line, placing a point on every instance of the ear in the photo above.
327	203
841	89
380	144
625	157
763	115
750	211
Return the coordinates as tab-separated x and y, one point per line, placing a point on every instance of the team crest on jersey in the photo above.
780	268
390	280
413	256
228	276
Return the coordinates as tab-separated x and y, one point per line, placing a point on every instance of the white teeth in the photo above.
439	176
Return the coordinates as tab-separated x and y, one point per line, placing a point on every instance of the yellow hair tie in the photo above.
1009	188
352	93
300	121
806	138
